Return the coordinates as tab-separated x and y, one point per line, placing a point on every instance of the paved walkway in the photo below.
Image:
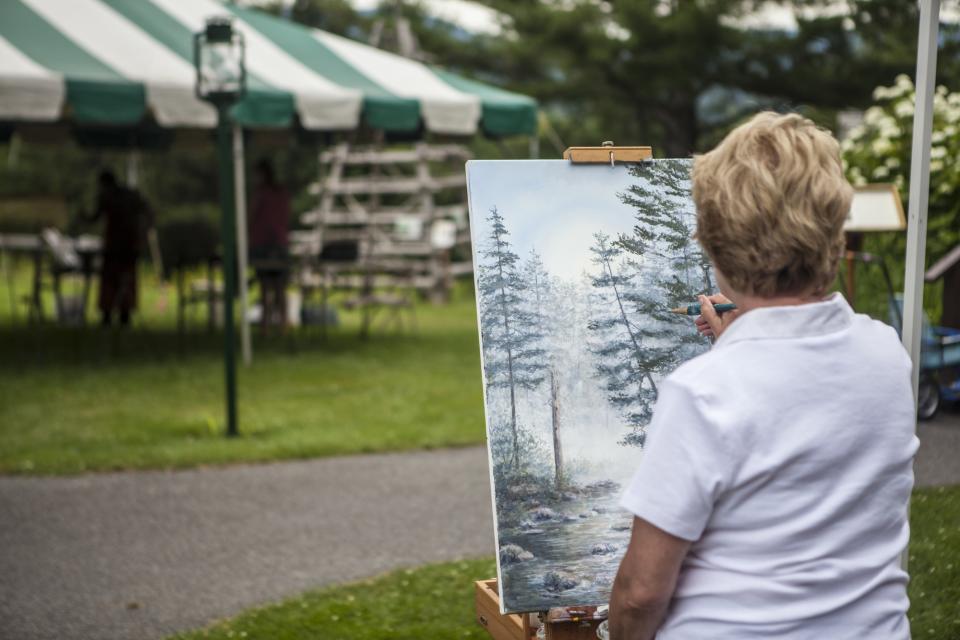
938	460
142	555
190	546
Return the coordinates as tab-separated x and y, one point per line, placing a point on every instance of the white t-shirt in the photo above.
785	454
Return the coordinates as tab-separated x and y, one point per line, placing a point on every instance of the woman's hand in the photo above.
710	323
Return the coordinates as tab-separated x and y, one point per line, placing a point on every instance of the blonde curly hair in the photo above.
771	201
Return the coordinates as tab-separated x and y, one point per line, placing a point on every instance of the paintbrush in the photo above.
694	309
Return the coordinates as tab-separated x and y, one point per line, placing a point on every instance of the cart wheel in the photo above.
928	398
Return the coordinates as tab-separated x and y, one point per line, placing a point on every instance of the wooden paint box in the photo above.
570	623
512	626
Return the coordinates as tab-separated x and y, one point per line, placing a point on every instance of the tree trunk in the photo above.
555	421
513	415
680	122
951	298
633	338
708	281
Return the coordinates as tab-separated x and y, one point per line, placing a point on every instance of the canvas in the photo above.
576	267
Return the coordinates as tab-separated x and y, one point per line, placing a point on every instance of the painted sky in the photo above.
550	205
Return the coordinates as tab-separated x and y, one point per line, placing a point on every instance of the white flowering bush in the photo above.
878	150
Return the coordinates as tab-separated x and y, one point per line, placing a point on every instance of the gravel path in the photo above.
141	555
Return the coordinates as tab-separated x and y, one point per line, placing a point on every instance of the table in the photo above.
86	247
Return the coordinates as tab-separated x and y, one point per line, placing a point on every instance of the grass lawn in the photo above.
74	400
437	601
935	564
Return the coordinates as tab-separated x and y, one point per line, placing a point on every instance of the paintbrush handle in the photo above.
694	309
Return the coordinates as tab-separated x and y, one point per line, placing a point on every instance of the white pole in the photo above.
919	190
153	241
920	182
133	168
240	196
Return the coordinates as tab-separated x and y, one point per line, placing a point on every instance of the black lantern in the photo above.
218	55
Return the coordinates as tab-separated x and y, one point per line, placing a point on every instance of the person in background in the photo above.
126	215
269	224
771	500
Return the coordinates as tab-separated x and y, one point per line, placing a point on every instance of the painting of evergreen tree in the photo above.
577	268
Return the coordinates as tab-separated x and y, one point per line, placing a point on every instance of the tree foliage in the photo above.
677	74
625	347
665	223
512	355
662	245
639	277
879	150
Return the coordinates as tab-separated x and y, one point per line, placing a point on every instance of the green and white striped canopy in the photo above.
125	62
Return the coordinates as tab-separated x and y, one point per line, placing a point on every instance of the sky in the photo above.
550	205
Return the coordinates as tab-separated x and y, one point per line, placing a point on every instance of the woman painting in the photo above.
771	501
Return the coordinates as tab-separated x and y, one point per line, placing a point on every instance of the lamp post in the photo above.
218	54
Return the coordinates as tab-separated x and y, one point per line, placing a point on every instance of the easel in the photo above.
862	220
563	623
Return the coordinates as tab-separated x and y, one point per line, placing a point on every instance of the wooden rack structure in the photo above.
404	209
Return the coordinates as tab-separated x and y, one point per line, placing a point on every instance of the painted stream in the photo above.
583	542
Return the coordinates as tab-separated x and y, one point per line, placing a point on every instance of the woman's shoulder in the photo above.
877	339
704	376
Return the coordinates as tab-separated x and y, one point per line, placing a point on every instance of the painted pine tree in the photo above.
545	309
676	269
628	349
511	350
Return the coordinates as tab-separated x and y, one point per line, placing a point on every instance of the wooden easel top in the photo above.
607	153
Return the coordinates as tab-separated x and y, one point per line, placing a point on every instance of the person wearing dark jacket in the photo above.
123	211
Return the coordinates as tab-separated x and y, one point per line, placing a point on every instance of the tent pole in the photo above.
919	190
240	197
920	181
133	169
228	229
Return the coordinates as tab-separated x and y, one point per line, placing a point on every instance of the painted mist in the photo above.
576	270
